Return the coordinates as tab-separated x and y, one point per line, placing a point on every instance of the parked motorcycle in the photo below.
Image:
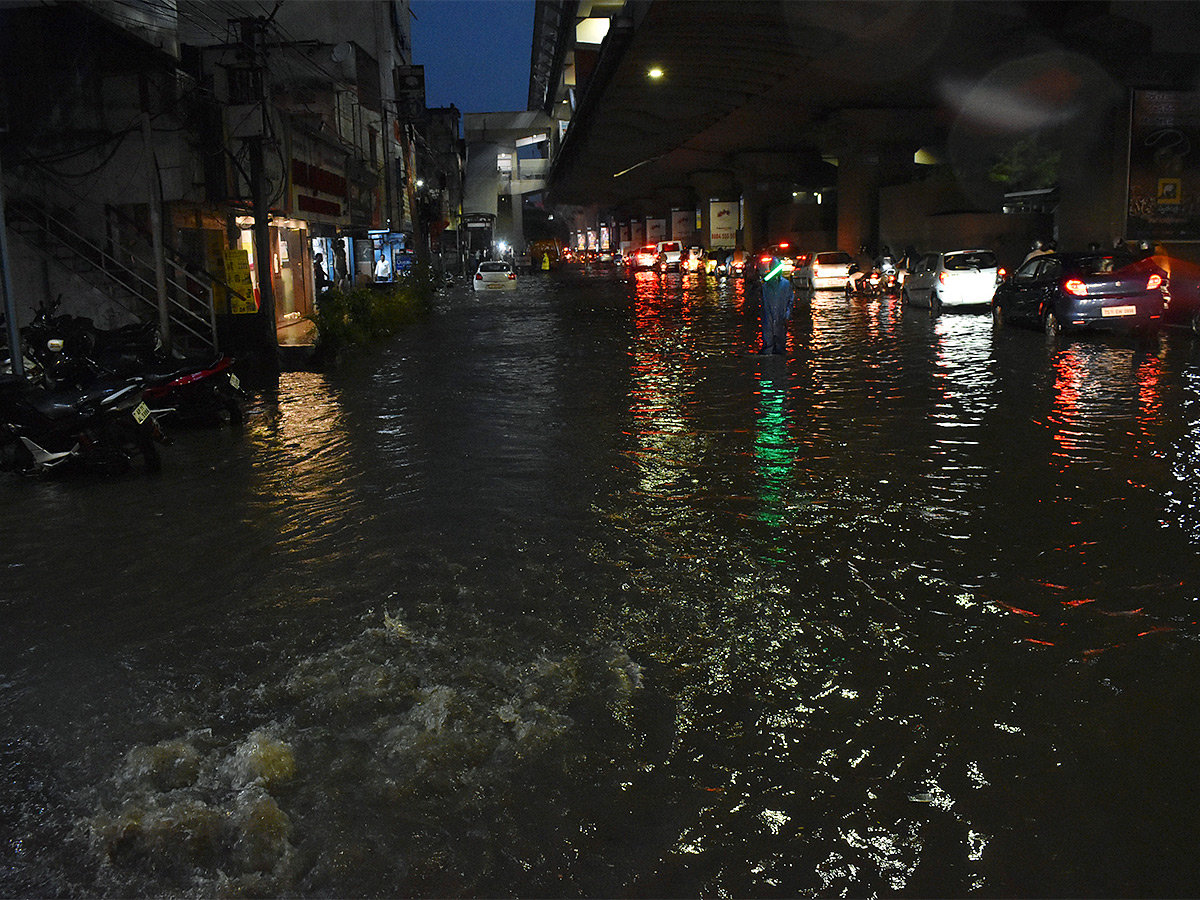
102	428
880	281
74	352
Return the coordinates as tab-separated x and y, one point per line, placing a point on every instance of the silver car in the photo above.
953	278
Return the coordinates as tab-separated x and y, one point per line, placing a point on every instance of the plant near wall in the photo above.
361	316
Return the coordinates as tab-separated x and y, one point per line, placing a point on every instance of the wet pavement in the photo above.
568	593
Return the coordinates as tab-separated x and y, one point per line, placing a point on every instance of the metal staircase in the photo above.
129	281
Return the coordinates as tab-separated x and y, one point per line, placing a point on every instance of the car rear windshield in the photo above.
671	247
1100	265
964	262
493	267
835	258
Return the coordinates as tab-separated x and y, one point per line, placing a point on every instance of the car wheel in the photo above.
935	303
904	297
1052	324
997	316
1196	322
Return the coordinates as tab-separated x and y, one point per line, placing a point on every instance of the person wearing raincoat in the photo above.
777	301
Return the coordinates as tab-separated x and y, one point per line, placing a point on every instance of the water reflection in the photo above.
304	485
774	452
1106	403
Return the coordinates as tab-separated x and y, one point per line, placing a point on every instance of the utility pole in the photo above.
268	335
154	188
10	304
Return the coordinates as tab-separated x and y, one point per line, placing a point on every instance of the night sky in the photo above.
475	52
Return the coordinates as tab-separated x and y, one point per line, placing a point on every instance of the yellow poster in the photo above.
237	276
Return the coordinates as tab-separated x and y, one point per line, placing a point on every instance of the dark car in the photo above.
1068	291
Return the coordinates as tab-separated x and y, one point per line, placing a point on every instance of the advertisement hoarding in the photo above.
722	223
681	224
1164	175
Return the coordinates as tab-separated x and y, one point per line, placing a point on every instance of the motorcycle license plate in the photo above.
141	413
235	382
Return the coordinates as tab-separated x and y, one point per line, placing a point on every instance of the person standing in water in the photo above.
777	300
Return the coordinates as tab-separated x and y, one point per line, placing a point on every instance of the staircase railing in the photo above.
189	294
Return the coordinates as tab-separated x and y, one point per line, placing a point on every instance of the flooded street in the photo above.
567	593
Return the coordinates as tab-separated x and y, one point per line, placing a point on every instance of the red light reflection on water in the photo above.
1094	390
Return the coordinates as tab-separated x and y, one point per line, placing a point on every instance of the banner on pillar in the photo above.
681	224
722	223
637	233
656	230
625	238
1164	179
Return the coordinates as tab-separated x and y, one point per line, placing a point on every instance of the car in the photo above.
1069	291
952	278
494	275
823	270
669	255
784	253
645	257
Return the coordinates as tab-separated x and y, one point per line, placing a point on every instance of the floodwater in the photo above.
566	593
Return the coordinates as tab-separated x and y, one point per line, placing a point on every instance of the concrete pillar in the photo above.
857	199
717	184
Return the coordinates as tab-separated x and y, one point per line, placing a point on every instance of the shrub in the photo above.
360	316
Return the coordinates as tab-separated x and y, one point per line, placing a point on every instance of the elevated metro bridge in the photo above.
881	111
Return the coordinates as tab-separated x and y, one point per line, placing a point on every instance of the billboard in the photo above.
656	230
1164	171
722	223
637	233
681	224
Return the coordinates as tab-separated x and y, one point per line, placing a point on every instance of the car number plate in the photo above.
235	382
495	287
141	413
1119	311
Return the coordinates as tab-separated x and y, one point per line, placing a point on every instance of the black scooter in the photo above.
102	428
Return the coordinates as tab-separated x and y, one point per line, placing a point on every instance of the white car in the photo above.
953	278
493	275
669	255
821	271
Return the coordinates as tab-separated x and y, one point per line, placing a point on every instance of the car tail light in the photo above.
1154	282
512	276
942	277
764	259
479	276
1001	274
1075	286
